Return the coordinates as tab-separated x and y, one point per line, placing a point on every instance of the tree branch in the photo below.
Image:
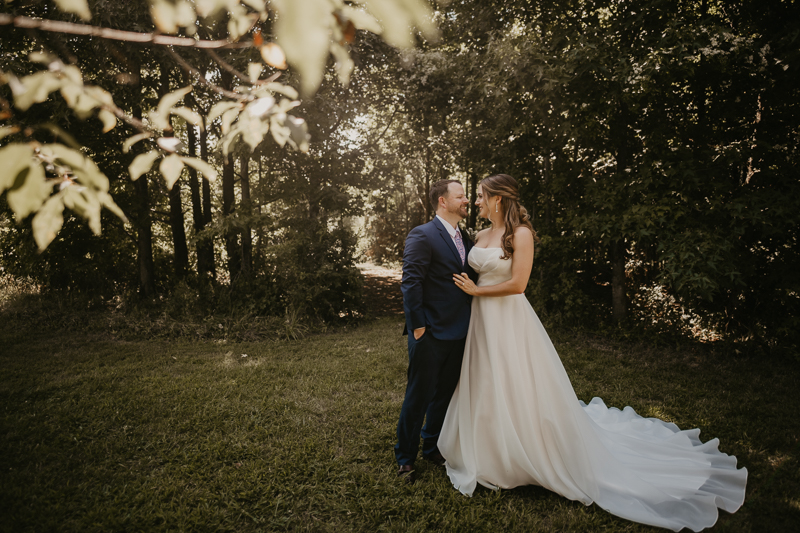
202	79
226	66
116	35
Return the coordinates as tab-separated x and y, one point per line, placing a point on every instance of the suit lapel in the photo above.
449	240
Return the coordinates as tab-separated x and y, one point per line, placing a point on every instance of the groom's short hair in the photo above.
438	190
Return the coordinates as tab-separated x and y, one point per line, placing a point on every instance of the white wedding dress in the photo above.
515	420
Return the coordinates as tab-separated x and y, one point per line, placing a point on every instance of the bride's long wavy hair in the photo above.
506	188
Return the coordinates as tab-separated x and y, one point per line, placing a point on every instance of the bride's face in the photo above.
481	203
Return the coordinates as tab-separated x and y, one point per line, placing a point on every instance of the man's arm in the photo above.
416	260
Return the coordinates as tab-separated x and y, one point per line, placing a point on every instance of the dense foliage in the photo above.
655	142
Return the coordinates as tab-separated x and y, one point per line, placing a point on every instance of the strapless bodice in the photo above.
488	264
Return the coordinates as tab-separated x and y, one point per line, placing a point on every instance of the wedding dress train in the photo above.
515	420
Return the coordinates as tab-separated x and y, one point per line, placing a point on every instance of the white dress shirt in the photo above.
450	229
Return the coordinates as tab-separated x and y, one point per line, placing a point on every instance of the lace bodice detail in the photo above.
487	263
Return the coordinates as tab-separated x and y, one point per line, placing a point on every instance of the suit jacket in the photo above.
430	297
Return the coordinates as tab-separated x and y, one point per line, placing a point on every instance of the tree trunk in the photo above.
473	195
258	251
406	211
232	247
618	297
206	248
180	247
144	240
144	231
205	252
426	189
247	235
621	130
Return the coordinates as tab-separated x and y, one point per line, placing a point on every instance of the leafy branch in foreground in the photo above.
43	179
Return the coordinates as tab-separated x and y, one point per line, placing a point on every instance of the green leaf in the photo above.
303	29
260	107
239	23
16	158
159	121
344	65
399	17
362	20
78	7
228	139
161	115
275	87
35	89
206	8
201	166
108	119
280	132
142	163
108	202
287	105
298	133
227	119
48	221
27	197
8	130
60	153
84	105
130	141
84	202
220	108
45	58
99	94
164	16
84	169
254	71
189	115
257	5
72	93
171	167
185	16
73	74
253	131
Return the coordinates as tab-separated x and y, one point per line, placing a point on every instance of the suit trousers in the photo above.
434	366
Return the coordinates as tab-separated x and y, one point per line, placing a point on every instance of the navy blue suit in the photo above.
431	300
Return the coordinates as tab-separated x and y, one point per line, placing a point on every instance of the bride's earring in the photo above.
496	209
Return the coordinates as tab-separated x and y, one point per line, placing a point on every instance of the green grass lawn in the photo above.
99	434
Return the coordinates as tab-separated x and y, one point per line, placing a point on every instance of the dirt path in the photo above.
382	290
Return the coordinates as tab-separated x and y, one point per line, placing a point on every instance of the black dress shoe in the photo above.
436	458
408	472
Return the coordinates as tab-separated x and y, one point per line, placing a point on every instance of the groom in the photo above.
437	318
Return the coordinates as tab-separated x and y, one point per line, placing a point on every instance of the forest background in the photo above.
655	143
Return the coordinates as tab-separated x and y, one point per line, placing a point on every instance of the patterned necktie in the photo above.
459	245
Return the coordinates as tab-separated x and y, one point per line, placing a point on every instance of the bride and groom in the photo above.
497	405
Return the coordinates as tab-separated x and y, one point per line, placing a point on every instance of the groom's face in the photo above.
455	201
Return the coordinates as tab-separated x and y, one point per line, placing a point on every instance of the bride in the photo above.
515	420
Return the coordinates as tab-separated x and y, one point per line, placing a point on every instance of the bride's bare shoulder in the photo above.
523	232
481	232
523	239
